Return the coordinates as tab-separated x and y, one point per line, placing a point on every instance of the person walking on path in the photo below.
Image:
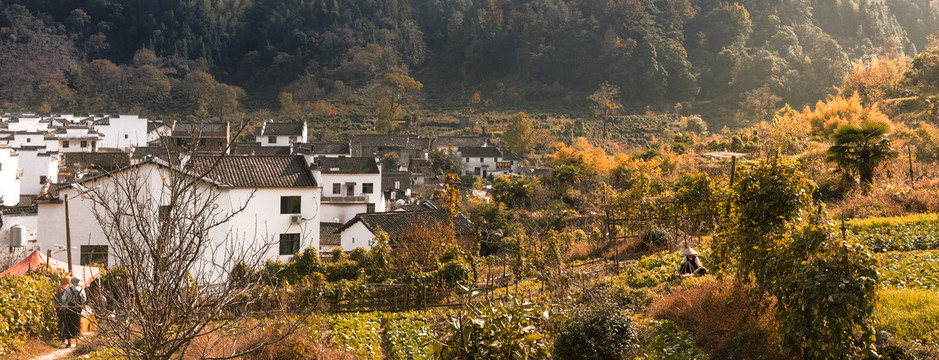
60	308
74	300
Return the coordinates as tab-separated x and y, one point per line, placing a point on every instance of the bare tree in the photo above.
169	228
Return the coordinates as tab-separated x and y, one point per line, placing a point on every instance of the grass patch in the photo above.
908	314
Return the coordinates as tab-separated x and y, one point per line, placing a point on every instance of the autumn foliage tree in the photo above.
395	93
520	136
605	102
840	110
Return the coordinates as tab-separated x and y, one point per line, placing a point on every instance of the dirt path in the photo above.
57	354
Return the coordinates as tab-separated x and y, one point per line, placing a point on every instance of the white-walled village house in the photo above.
350	186
282	216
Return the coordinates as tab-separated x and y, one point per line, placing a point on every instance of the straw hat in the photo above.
689	251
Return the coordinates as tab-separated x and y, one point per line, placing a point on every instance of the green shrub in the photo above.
903	233
409	337
652	270
908	314
502	330
27	308
910	270
668	342
654	237
359	334
602	331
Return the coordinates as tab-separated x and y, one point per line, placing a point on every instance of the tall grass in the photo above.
908	314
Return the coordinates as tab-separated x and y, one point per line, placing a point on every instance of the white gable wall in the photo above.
357	235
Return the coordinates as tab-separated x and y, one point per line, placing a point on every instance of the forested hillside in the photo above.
209	57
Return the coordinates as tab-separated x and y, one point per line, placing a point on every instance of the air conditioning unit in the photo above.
295	219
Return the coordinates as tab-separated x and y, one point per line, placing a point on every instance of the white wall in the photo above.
37	163
355	236
9	179
123	132
345	211
28	221
256	228
486	163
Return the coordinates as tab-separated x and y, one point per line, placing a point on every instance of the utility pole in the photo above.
909	154
733	170
68	238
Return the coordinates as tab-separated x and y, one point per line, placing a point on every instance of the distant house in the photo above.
363	228
406	146
23	215
39	167
485	161
350	186
329	236
256	148
396	185
443	143
76	166
334	149
206	137
281	133
280	193
10	174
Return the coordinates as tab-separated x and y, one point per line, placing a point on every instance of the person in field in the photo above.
691	264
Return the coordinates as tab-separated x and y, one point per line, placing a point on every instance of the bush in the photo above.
27	308
669	342
359	334
502	330
725	319
409	337
654	237
603	331
651	270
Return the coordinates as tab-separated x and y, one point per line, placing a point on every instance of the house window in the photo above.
467	159
42	179
293	139
289	244
367	188
29	140
164	212
480	159
370	208
125	136
337	188
84	143
93	254
289	204
65	144
271	139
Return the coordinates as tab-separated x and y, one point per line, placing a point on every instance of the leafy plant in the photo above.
26	308
501	330
409	337
602	331
669	342
358	333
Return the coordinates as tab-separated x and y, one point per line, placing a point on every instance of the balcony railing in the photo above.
346	199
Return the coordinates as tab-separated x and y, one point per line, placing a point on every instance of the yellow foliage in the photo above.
877	80
592	161
838	111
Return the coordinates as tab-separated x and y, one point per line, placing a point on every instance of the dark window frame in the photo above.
289	244
368	188
290	204
93	254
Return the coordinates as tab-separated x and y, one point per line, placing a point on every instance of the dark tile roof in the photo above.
256	171
367	144
107	161
206	129
397	223
388	179
27	205
283	129
508	155
477	151
349	165
247	148
331	147
460	141
329	234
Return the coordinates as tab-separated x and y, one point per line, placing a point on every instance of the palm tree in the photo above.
859	149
